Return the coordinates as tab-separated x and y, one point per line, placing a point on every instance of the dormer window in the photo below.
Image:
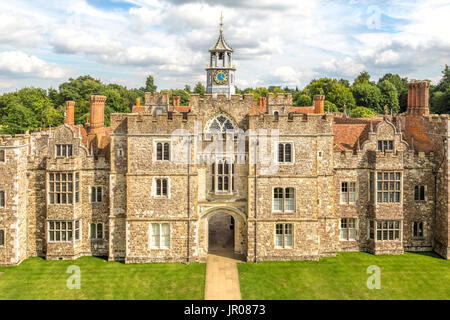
64	150
384	145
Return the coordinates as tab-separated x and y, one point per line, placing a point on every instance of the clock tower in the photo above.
220	70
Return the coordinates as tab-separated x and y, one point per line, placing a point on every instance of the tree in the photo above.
333	90
329	107
187	88
363	77
389	96
440	94
200	89
361	112
302	100
149	85
401	84
368	95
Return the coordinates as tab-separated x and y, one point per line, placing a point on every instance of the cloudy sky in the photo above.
282	42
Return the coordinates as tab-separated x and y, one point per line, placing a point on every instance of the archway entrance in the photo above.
221	228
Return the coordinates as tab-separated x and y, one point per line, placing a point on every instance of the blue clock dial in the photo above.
221	77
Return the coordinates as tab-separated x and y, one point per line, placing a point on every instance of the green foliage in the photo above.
330	106
361	112
389	96
334	91
200	89
362	78
149	85
440	94
301	99
401	84
184	96
368	95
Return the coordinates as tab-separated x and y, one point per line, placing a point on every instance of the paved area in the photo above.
222	280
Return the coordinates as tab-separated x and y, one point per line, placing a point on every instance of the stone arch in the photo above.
240	227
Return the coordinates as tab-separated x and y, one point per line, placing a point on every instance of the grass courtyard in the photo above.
36	278
407	276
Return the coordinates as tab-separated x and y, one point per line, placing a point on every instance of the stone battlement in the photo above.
157	99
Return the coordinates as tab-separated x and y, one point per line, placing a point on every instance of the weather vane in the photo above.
221	22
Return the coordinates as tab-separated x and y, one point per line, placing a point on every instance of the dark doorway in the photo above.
221	232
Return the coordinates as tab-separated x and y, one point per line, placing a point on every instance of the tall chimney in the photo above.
97	111
70	109
418	94
176	101
319	102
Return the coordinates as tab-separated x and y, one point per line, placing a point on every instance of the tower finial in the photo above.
221	22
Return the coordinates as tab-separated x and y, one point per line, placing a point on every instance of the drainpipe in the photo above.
435	172
255	200
188	200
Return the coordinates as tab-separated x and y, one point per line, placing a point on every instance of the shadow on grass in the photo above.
430	254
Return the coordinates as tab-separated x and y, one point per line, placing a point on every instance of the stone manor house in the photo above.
379	185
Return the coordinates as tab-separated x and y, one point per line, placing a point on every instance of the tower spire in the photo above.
221	22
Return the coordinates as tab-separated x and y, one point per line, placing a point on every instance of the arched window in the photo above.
219	124
275	116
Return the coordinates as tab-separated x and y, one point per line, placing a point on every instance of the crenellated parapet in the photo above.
293	123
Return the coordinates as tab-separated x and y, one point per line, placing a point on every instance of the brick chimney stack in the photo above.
176	101
70	109
319	103
418	98
97	112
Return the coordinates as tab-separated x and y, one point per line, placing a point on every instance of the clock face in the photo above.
221	76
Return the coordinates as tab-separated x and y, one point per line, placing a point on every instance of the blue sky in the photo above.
284	42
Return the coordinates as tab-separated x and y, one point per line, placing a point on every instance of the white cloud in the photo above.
342	67
18	63
285	75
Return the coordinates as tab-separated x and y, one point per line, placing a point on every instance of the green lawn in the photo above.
407	276
36	278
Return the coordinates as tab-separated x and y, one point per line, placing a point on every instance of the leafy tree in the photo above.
330	106
389	96
302	100
187	88
150	85
368	95
333	90
363	77
401	84
361	112
200	89
184	96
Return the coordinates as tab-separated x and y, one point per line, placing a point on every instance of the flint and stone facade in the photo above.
334	184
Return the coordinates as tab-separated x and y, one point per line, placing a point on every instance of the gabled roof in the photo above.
221	44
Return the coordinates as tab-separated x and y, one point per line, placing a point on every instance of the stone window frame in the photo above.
2	156
96	224
155	150
292	162
283	203
4	238
66	147
160	223
120	153
418	187
3	206
96	194
355	192
76	231
215	175
418	236
388	229
283	224
373	186
155	187
385	145
75	182
355	228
